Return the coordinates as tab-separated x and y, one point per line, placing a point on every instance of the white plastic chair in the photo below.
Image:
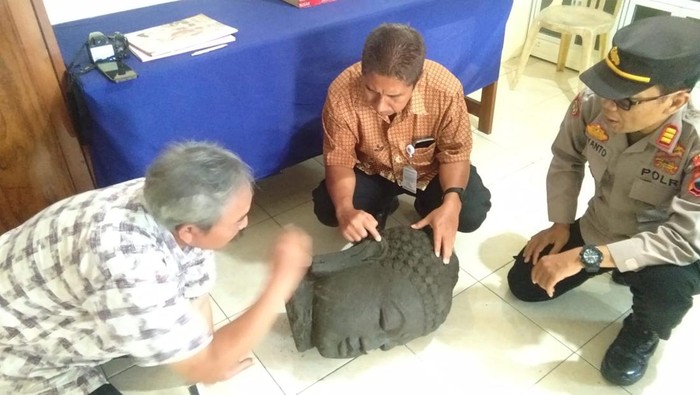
584	18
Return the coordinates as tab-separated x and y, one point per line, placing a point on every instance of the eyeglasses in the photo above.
627	103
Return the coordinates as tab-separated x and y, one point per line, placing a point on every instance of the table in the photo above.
262	95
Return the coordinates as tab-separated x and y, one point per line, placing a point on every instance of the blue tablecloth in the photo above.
262	95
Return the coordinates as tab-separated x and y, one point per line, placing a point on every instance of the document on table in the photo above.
185	35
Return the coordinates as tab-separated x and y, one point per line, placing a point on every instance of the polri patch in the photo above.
669	162
666	165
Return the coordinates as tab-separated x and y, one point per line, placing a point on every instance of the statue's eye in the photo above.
391	319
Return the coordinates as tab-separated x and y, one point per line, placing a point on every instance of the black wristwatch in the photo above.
457	190
591	257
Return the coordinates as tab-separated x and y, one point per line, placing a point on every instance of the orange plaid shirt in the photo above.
356	135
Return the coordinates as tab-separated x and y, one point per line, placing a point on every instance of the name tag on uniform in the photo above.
410	179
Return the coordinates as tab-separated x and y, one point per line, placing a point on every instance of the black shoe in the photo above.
618	278
384	213
628	356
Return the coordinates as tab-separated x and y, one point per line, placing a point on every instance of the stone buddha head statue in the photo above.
372	295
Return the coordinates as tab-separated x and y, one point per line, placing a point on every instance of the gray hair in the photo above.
394	50
192	182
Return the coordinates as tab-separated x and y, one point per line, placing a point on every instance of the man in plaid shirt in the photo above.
397	123
126	270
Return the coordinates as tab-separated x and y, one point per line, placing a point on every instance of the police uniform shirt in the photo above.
647	194
91	278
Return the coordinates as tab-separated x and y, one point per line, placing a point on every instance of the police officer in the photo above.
635	128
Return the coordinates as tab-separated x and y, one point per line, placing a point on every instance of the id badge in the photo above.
410	179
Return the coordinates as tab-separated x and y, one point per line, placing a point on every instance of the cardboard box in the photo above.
307	3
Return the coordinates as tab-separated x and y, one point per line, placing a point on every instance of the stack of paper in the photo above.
186	35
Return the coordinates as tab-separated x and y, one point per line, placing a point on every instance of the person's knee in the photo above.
521	286
471	218
515	284
325	216
326	219
666	283
475	205
471	222
323	206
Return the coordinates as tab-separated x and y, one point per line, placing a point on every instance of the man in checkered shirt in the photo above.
397	123
126	270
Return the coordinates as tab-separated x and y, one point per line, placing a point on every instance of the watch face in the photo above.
591	255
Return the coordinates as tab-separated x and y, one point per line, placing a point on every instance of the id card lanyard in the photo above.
410	175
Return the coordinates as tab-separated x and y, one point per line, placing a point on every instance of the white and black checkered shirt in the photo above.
91	278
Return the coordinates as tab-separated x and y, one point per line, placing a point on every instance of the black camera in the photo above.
107	53
107	48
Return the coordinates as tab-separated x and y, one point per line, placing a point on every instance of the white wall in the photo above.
60	11
516	29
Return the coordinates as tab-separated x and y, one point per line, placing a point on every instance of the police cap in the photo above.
662	50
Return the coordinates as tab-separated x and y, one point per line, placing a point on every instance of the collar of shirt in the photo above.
655	138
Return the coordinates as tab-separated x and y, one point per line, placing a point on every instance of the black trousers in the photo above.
106	389
109	389
374	193
661	295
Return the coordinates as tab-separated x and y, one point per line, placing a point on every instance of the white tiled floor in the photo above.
490	342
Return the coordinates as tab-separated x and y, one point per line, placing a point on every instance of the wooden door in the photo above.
40	157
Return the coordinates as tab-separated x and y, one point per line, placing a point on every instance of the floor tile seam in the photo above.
478	279
529	319
268	372
598	334
562	362
466	288
251	226
325	376
545	329
287	210
597	369
534	383
237	314
226	317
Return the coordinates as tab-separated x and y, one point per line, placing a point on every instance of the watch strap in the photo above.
457	190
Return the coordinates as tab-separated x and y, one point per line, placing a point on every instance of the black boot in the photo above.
384	213
628	356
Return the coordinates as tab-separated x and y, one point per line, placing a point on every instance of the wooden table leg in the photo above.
484	108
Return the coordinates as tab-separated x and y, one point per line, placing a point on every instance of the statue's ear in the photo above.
360	254
300	314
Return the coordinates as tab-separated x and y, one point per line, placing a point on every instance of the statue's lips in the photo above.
351	347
